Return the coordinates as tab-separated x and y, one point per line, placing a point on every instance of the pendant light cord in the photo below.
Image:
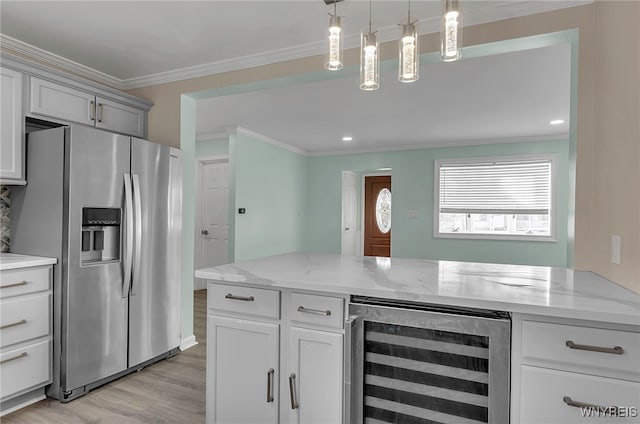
409	13
369	16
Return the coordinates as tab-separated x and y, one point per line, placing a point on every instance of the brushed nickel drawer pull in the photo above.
616	350
576	404
270	385
21	283
92	110
100	107
22	355
292	391
234	297
13	324
313	311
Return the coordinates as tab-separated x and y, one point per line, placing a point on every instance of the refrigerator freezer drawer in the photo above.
24	368
24	318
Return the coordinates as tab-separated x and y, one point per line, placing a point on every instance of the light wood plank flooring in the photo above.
170	391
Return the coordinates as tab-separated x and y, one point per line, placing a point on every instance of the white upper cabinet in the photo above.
12	133
69	104
117	117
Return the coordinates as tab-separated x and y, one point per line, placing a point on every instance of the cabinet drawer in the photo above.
545	341
545	393
14	282
24	368
317	310
23	318
244	300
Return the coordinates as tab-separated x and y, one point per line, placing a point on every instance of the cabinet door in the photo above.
62	102
11	153
314	377
242	371
120	118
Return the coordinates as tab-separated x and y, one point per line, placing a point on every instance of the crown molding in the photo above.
38	55
256	135
496	12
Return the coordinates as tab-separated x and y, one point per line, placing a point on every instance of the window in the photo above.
503	198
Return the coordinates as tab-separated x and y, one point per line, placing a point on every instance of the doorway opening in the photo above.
366	213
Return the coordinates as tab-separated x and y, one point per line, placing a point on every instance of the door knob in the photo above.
204	232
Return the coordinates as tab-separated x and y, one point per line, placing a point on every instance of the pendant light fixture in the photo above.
451	31
333	60
408	49
369	59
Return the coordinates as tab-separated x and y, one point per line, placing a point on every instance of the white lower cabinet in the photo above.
25	335
242	371
272	364
564	397
314	375
570	371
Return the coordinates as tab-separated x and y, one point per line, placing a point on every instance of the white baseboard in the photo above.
188	342
23	400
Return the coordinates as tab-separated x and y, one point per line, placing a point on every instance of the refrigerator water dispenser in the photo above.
100	241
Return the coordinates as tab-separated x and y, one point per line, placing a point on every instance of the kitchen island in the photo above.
575	337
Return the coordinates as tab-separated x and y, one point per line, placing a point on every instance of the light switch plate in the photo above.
412	214
615	249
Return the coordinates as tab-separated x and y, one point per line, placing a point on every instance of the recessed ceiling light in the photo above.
557	122
347	138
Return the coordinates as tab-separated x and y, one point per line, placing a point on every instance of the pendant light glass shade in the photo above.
451	31
408	49
333	60
369	62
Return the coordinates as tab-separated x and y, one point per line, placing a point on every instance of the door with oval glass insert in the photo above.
377	216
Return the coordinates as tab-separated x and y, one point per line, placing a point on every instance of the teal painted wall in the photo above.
270	183
207	148
412	187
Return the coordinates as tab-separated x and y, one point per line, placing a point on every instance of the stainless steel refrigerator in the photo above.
108	206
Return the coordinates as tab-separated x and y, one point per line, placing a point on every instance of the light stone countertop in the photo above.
539	290
14	261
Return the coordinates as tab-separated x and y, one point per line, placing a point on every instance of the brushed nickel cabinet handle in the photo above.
576	404
21	283
13	324
234	297
616	350
22	355
270	385
100	109
313	311
92	110
292	391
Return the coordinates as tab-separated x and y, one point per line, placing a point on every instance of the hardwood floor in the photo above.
170	391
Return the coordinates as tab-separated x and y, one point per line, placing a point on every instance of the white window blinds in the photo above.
513	187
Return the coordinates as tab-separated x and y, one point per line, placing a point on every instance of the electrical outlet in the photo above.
615	249
412	214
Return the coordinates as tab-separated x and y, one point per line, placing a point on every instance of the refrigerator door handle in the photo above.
137	209
128	244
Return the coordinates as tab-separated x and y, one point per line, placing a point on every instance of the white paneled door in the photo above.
212	238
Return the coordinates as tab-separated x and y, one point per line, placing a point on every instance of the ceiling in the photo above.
129	44
490	99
